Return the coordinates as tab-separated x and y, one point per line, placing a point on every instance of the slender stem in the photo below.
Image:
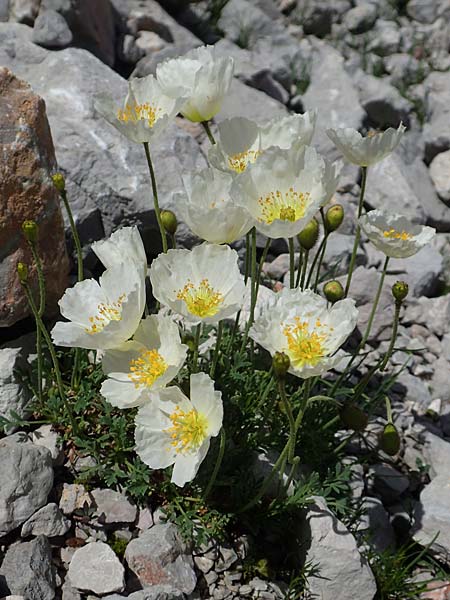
198	330
248	256
51	349
367	332
208	132
216	349
263	396
388	355
268	479
319	264
162	231
291	263
294	466
174	241
261	264
76	237
316	257
290	416
358	230
304	269
41	284
299	269
219	459
254	290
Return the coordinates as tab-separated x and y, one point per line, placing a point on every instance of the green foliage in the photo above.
118	545
396	572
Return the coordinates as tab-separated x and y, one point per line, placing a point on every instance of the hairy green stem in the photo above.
290	416
162	231
299	269
291	263
315	259
304	269
319	264
208	132
51	349
254	290
41	309
75	236
198	330
388	355
218	464
216	349
358	230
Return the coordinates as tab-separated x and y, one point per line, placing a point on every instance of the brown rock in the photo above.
27	192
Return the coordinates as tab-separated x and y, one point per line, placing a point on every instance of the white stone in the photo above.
95	568
440	174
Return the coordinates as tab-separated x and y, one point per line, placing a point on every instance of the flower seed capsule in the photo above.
308	236
281	363
333	291
30	231
334	217
59	182
22	272
169	221
400	290
390	440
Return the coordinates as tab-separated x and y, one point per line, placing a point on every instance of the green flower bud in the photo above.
353	417
169	221
334	217
400	290
188	339
390	440
22	272
280	363
333	291
308	236
59	182
30	231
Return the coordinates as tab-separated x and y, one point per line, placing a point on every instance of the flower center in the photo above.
238	162
201	300
305	347
397	235
188	431
139	112
146	369
105	314
285	206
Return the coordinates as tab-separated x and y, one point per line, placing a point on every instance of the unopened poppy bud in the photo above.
59	182
353	417
333	291
281	363
400	290
169	221
22	272
334	217
189	340
30	231
390	440
308	236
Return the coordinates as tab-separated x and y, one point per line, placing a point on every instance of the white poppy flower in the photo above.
173	430
122	246
301	325
102	314
368	150
148	362
284	189
203	284
394	235
199	76
208	209
144	114
241	141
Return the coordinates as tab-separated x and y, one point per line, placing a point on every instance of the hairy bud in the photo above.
30	231
22	272
308	236
390	440
333	291
334	217
59	182
353	417
400	290
280	363
169	221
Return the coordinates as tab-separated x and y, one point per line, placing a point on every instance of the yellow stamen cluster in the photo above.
397	235
305	347
106	313
286	206
139	112
238	162
188	431
146	369
201	300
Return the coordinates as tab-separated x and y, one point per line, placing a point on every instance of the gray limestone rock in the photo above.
113	507
158	556
51	30
386	39
424	11
361	18
14	396
432	517
74	497
440	174
27	570
244	23
334	552
48	521
375	522
26	474
96	568
383	103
